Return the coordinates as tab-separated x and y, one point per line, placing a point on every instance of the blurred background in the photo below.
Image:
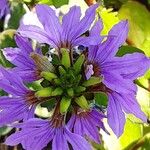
136	135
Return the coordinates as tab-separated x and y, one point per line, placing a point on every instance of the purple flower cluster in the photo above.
70	83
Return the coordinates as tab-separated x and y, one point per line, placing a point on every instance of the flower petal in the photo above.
85	23
59	141
24	44
115	82
70	22
136	64
116	117
77	142
36	33
50	22
130	105
115	39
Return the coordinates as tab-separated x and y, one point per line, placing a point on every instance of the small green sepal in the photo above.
78	64
65	58
82	102
58	91
64	104
45	92
61	70
70	92
80	89
92	81
48	75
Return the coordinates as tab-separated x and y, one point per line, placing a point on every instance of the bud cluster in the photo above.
67	83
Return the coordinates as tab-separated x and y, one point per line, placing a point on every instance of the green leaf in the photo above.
132	132
4	130
139	21
56	3
114	3
50	104
109	19
101	99
17	11
128	50
6	40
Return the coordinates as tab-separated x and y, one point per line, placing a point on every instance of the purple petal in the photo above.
90	130
130	105
116	117
15	138
24	44
70	22
36	33
85	23
11	83
116	83
13	113
86	41
92	53
78	129
115	39
27	74
89	71
59	141
97	28
77	142
15	56
71	122
136	64
50	22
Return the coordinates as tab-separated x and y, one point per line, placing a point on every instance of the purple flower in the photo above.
38	133
118	73
87	124
68	34
25	67
4	8
20	103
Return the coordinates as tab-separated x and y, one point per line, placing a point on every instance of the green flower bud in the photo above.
57	81
78	64
65	58
64	104
70	92
61	70
82	102
48	75
80	89
41	62
92	81
58	91
45	92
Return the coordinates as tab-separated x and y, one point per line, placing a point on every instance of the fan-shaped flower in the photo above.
20	103
38	133
118	73
68	34
26	67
